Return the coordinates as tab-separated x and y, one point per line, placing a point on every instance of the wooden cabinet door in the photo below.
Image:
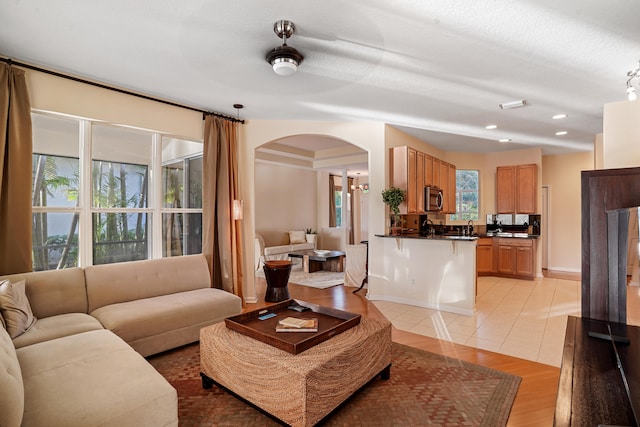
419	183
412	177
436	173
524	261
506	259
526	189
428	170
506	189
451	191
484	257
444	185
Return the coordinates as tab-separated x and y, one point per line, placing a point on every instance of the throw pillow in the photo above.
297	237
15	308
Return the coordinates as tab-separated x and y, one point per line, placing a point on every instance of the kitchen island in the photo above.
436	272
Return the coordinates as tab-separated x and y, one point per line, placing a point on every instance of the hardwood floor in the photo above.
535	402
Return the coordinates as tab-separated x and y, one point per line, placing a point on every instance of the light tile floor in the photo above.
520	318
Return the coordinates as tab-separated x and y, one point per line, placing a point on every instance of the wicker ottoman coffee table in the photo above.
298	389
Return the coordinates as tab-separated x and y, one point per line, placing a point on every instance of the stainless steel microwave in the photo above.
432	199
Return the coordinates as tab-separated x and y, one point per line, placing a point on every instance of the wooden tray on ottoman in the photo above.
330	323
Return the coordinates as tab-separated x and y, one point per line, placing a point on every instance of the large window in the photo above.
467	195
104	205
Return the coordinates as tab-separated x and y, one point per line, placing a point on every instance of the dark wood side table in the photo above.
591	390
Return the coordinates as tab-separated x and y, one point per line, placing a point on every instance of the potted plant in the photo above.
393	197
311	236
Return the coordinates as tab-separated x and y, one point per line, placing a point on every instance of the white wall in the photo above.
621	135
562	174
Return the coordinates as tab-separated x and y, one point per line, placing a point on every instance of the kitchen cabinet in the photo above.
485	258
516	258
405	171
451	190
516	189
444	185
428	170
412	170
506	189
436	173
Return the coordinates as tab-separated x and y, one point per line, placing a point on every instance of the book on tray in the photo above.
296	324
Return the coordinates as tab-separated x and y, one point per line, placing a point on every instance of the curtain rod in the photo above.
205	113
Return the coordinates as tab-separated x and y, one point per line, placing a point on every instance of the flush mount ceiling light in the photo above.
631	91
504	140
561	132
490	127
284	59
559	116
513	104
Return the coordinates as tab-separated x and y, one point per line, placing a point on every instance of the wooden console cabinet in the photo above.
591	391
517	189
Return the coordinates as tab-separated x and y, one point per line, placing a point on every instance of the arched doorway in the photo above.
291	186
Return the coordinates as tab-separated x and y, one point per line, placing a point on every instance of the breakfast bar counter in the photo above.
433	272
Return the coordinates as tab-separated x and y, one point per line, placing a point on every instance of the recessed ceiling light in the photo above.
559	116
562	132
504	140
491	127
513	104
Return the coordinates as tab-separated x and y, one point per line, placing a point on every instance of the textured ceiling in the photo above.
433	68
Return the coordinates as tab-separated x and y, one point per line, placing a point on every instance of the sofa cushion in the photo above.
55	291
297	236
134	280
90	379
48	328
15	307
11	385
167	317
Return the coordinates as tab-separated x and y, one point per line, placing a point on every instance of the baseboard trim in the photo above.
565	269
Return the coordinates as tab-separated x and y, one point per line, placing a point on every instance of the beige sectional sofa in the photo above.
266	252
81	362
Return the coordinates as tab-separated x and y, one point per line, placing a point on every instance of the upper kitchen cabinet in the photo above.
412	170
404	175
428	170
450	195
516	189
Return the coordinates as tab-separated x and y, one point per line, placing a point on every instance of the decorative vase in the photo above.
312	238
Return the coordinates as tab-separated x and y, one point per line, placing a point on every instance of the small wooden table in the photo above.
312	261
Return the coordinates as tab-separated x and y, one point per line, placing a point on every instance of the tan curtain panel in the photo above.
222	235
332	201
15	172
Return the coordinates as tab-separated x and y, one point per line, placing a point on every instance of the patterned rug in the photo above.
424	389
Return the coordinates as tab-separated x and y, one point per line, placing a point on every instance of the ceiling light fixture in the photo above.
559	116
631	91
561	132
284	59
513	104
490	127
504	140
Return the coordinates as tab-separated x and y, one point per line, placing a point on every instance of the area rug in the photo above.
424	389
319	279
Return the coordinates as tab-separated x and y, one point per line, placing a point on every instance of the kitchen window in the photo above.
467	195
